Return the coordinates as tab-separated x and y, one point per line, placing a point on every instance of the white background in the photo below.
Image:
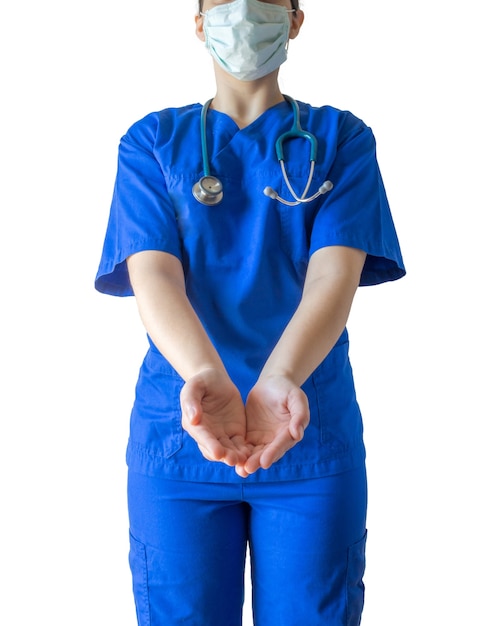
427	78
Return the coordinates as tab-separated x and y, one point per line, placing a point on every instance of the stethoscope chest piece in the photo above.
208	190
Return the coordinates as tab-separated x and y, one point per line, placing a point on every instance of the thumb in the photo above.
191	398
299	409
193	413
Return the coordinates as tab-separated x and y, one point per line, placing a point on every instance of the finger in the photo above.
241	448
211	450
233	458
228	457
205	454
276	449
241	471
224	450
254	461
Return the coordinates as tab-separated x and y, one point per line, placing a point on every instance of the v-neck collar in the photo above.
226	122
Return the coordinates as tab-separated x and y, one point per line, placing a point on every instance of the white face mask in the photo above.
247	38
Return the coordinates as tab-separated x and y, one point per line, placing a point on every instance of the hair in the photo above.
294	4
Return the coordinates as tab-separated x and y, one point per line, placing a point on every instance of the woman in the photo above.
245	429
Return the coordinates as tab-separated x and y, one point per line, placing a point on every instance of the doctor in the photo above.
244	260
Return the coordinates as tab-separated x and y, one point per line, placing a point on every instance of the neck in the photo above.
245	101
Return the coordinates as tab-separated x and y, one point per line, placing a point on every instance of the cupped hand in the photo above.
277	413
214	415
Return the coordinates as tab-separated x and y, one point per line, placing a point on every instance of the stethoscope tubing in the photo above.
209	189
296	131
204	145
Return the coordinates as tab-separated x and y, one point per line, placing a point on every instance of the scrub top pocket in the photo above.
339	413
156	418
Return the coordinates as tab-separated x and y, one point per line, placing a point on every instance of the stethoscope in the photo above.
208	190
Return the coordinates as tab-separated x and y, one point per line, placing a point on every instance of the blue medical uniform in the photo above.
245	261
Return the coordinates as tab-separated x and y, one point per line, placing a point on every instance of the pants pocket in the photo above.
355	584
138	565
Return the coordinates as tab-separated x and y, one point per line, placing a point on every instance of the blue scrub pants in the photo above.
306	538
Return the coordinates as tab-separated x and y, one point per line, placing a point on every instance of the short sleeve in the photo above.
141	216
356	211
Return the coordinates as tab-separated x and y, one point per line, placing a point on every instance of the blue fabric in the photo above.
245	262
307	550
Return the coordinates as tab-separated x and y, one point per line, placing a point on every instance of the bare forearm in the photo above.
168	316
332	279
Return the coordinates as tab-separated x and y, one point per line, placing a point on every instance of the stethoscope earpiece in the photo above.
208	190
324	188
270	192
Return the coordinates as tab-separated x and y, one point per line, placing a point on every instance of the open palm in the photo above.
214	415
277	414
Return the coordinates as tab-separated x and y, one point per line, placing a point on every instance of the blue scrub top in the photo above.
245	262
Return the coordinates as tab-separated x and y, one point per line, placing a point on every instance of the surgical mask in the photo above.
247	38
